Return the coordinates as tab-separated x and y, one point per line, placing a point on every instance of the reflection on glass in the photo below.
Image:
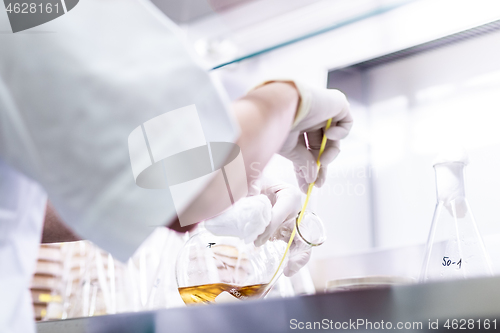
224	32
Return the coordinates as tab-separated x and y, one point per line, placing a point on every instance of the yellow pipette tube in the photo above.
304	206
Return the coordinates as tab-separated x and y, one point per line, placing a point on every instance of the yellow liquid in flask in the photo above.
208	292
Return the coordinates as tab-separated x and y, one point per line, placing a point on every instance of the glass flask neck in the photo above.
311	238
450	181
310	232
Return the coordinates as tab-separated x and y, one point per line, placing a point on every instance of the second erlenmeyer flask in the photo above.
454	248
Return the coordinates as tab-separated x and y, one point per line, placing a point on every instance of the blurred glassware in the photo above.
78	279
366	282
163	292
46	285
95	283
152	270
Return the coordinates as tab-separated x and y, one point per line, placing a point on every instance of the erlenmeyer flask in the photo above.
210	265
454	248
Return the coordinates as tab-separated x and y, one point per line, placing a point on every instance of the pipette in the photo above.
301	214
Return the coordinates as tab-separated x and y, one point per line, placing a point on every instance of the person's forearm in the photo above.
265	116
54	229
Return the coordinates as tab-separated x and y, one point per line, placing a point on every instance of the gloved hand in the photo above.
315	108
246	219
258	218
286	204
296	261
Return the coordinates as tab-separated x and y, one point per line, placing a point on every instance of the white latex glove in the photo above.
246	219
296	261
256	218
299	252
315	108
286	202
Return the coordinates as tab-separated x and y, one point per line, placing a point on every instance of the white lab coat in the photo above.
22	209
71	92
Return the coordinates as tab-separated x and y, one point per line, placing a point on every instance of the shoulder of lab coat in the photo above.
73	90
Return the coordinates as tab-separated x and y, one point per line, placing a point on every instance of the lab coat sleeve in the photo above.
71	92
